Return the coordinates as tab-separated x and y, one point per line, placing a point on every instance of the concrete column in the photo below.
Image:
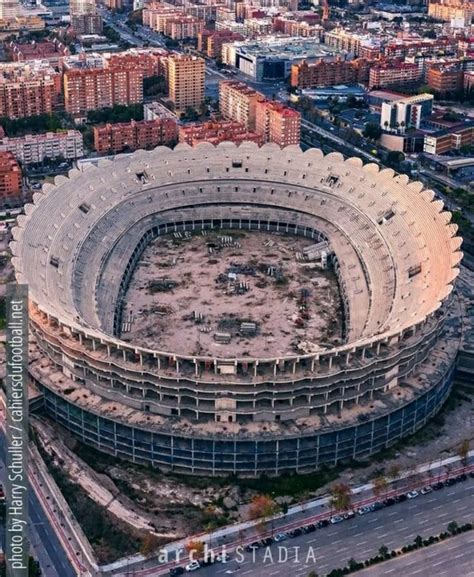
255	369
196	368
124	354
330	362
93	345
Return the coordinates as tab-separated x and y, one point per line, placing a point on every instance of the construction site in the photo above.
234	294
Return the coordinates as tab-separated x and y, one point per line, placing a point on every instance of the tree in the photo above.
150	544
452	527
340	497
383	550
418	540
463	452
393	472
372	131
262	507
379	486
395	157
312	574
284	508
195	548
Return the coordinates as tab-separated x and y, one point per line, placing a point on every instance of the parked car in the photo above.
176	571
412	494
437	486
363	510
252	546
224	557
309	528
426	490
280	537
449	482
349	515
376	506
323	523
295	532
401	498
266	542
336	519
193	566
389	502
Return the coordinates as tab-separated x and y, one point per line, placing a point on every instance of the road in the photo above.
451	558
359	538
44	542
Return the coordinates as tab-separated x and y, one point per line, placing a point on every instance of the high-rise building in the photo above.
9	9
278	123
84	17
186	81
239	102
93	88
28	90
10	180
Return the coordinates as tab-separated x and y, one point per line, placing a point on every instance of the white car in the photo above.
426	490
412	494
279	537
336	519
363	510
193	566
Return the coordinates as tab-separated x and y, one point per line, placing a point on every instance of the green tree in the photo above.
383	550
452	527
372	131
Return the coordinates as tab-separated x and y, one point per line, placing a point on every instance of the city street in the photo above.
361	537
452	558
44	542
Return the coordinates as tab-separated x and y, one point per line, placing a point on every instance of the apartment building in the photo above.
186	81
457	11
217	131
210	42
87	23
28	90
10	180
239	102
278	123
129	136
93	88
394	74
445	79
183	27
330	73
152	61
36	148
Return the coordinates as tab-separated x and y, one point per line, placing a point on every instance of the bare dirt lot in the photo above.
191	294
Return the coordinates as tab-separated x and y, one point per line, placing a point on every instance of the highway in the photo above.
360	538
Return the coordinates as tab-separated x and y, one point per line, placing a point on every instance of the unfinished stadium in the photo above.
322	327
